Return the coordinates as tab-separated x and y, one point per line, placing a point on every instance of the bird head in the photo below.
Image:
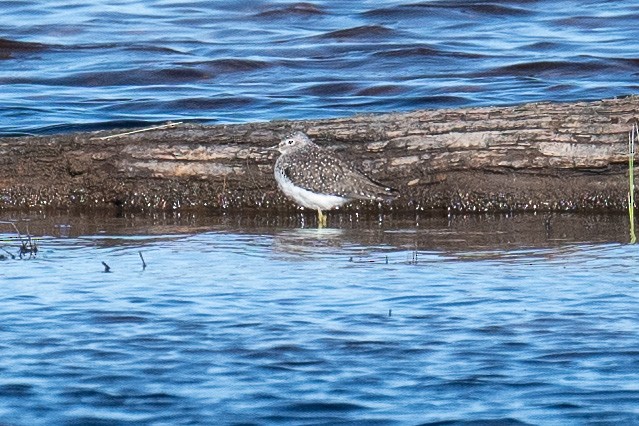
293	142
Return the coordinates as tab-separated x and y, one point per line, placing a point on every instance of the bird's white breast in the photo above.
307	198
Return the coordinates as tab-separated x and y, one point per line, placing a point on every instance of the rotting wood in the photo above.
539	156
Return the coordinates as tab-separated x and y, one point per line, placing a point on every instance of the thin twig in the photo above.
163	126
143	262
27	245
5	250
107	268
6	222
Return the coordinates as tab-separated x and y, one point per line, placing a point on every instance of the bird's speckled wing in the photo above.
321	171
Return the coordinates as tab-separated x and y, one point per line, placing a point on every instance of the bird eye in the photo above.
290	141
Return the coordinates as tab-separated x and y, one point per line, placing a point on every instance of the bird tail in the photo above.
376	191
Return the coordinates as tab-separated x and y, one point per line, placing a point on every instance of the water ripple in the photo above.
303	9
87	67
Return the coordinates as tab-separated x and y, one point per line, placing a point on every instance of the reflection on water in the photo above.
312	242
427	232
505	319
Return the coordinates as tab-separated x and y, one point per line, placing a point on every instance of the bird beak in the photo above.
273	148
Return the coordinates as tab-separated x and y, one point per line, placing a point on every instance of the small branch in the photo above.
27	245
6	222
143	262
147	129
107	268
4	250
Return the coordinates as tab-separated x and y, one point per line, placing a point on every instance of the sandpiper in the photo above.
318	179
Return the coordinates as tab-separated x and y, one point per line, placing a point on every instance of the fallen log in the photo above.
538	156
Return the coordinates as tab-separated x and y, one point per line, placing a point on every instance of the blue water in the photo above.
242	322
81	65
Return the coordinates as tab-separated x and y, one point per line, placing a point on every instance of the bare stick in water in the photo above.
4	250
143	262
27	245
107	268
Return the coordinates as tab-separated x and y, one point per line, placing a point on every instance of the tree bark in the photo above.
539	156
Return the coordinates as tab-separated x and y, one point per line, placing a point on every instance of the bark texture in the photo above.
540	156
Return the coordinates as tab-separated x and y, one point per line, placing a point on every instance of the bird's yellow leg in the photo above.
321	219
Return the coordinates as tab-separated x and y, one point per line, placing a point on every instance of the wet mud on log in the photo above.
540	156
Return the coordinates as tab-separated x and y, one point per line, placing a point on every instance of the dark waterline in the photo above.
525	319
93	66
